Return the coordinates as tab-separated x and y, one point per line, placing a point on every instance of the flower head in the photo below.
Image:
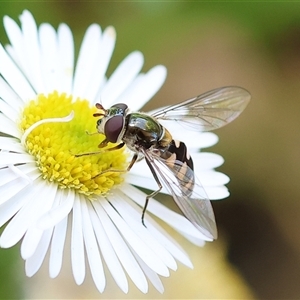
46	106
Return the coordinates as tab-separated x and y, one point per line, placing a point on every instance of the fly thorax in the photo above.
142	130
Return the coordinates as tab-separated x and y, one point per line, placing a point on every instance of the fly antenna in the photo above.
102	112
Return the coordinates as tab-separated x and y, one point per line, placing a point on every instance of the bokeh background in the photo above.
206	45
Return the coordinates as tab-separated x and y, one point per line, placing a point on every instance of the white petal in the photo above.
24	44
152	276
66	57
10	207
17	227
77	247
57	247
203	162
212	178
101	63
207	139
169	243
9	96
175	220
125	73
11	144
92	249
144	182
197	242
58	238
9	127
57	213
108	253
88	53
194	140
191	138
12	53
49	58
8	175
34	234
14	77
15	36
124	254
32	51
133	219
161	235
30	242
147	254
143	88
9	111
33	264
217	192
206	160
14	186
15	158
19	173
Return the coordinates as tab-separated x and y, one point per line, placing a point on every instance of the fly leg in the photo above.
154	193
91	133
119	146
133	160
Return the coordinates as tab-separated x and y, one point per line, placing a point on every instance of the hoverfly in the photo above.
168	159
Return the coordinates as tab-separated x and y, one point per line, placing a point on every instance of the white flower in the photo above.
44	188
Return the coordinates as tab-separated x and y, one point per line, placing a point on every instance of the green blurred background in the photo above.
206	45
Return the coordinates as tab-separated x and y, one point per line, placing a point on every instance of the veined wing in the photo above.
187	192
208	111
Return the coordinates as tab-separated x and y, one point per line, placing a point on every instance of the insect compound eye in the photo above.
113	128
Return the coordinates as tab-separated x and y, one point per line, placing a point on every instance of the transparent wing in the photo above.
187	192
208	111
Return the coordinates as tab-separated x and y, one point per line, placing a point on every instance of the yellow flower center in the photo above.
56	144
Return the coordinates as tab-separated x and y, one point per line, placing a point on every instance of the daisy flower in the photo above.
46	105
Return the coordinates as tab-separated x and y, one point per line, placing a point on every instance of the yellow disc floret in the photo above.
56	144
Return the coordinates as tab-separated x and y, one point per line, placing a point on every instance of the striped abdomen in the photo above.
177	151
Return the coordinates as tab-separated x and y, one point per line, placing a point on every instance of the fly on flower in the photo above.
168	159
45	98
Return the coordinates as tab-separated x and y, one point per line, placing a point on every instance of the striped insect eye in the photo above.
113	128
